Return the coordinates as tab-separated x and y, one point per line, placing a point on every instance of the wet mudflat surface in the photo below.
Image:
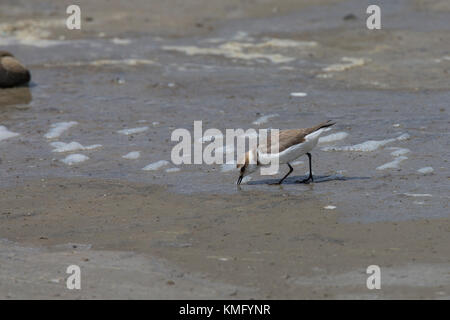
122	84
248	245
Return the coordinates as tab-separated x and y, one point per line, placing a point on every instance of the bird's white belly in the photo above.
297	151
291	153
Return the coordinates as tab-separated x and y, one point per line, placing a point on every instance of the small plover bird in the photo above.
292	144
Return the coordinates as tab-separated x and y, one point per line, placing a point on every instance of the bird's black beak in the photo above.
239	180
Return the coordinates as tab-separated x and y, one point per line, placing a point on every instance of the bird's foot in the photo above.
306	181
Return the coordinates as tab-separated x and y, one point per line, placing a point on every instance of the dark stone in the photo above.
349	17
12	72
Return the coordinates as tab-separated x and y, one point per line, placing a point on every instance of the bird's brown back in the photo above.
290	137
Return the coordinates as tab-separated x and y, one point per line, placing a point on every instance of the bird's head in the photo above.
247	166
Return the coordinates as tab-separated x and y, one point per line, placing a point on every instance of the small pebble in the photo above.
426	170
349	17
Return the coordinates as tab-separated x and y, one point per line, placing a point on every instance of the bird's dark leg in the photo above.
310	178
290	171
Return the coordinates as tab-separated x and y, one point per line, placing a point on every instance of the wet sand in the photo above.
191	233
259	245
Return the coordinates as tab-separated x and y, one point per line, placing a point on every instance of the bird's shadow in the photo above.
298	179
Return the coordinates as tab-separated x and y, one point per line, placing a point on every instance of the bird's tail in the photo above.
325	124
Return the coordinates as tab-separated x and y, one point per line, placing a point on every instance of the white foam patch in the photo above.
56	129
324	76
32	42
156	165
285	43
132	130
415	195
6	134
264	119
132	155
102	62
74	158
120	41
232	50
426	170
31	32
214	40
72	146
350	63
393	164
399	151
241	35
402	137
441	59
368	146
286	68
333	137
297	163
298	94
246	50
172	170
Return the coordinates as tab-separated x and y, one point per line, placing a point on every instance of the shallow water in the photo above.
72	83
